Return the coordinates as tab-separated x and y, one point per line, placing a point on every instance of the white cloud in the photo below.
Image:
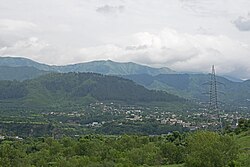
32	47
16	25
199	33
180	51
207	8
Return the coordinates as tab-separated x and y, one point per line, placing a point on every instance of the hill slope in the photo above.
185	85
59	89
196	86
20	73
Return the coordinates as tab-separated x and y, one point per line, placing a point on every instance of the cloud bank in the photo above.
179	51
185	35
13	25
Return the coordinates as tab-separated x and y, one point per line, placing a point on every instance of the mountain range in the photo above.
103	67
190	86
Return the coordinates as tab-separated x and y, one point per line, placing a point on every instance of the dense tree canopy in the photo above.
90	150
209	149
199	149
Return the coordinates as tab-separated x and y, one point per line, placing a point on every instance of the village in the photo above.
98	114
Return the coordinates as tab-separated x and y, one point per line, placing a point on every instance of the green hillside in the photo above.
196	86
191	86
20	73
69	89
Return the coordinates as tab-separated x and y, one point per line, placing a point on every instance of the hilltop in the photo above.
106	67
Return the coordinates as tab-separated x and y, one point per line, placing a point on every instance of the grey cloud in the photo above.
3	43
107	9
139	47
243	23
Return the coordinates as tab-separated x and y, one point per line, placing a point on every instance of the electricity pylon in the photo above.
213	95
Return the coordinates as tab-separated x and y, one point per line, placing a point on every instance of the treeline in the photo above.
243	125
201	149
38	129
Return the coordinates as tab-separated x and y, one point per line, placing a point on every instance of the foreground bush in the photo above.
209	149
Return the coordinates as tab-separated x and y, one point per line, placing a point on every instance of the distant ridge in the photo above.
236	92
23	62
20	73
106	67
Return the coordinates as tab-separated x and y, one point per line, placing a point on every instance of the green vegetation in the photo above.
209	149
91	150
20	73
243	139
199	149
97	118
194	86
63	90
93	120
174	165
243	126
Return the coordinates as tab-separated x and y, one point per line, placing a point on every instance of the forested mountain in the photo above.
196	86
65	89
102	67
23	62
191	86
20	73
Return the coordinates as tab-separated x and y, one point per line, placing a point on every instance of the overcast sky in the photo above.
184	35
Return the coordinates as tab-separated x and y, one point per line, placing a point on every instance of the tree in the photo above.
148	154
209	149
172	153
244	125
12	154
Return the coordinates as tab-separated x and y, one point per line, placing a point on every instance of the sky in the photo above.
184	35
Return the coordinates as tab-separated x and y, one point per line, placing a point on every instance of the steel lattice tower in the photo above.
213	95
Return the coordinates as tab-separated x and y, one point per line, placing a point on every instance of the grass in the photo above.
244	140
174	165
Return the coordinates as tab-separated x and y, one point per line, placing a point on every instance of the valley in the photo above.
38	103
125	83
